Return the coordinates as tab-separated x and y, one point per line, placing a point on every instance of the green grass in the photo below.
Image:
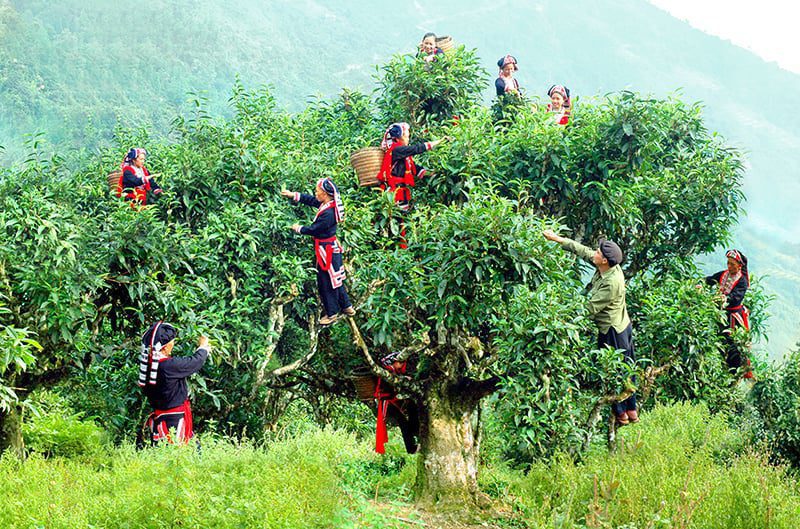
293	484
681	467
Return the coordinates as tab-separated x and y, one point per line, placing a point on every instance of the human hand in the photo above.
296	228
202	343
550	235
287	194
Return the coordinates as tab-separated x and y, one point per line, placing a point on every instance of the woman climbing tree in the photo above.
330	268
733	283
559	103
505	82
398	172
135	180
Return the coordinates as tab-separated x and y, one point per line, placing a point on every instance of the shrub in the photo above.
53	428
680	467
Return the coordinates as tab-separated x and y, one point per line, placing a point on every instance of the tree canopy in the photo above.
485	303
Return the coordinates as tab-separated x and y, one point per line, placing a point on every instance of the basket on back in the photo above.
445	43
367	163
113	180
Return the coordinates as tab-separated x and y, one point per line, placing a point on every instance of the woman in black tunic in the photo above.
329	264
733	283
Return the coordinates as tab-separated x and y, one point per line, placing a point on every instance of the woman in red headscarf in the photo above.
428	50
328	252
398	171
559	103
733	283
135	180
505	82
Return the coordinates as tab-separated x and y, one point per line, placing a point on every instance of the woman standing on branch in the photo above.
559	103
505	83
398	171
328	252
135	180
733	283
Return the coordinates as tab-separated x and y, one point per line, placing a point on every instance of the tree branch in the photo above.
277	321
300	362
646	387
479	388
396	381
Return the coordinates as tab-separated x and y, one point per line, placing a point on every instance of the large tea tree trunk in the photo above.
447	472
11	431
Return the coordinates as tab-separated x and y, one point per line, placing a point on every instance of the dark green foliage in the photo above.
55	429
641	171
776	397
423	93
483	297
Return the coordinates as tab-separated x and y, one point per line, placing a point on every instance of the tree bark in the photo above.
447	468
11	431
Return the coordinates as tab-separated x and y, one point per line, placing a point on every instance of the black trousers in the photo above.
624	341
334	300
406	414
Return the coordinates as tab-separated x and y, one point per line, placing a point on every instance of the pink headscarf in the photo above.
394	133
133	154
557	89
508	59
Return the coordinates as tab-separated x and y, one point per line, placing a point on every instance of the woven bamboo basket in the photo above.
367	163
113	180
365	386
446	43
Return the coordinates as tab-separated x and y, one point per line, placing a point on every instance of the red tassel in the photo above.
381	436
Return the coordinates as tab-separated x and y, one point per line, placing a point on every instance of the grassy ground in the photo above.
679	468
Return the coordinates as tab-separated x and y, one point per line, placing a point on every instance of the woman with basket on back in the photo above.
135	180
398	172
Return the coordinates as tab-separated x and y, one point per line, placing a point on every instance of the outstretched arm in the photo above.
182	367
584	252
302	198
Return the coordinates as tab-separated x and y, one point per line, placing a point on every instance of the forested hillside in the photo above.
75	70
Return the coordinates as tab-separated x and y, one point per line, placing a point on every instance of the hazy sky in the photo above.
766	27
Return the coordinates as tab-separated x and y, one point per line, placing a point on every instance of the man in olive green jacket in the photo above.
606	306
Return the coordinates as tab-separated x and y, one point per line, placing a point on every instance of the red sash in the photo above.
185	430
137	194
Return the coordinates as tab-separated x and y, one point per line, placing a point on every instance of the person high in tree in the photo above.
135	180
328	252
733	283
559	104
399	172
428	50
163	380
607	307
505	84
